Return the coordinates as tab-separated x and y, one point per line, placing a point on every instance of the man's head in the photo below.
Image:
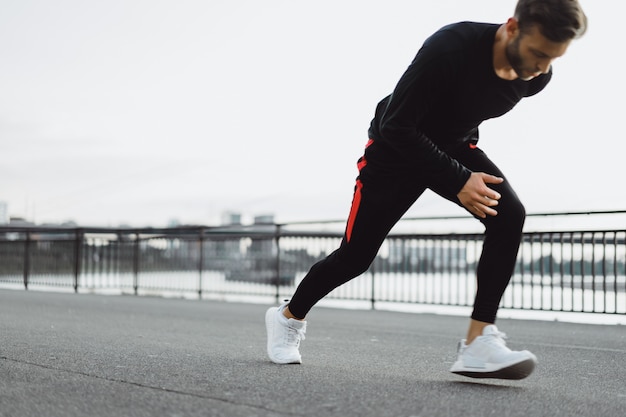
540	32
557	20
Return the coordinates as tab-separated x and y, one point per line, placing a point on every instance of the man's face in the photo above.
531	54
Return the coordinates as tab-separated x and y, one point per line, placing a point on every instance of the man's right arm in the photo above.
425	82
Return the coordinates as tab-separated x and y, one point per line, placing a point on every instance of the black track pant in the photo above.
380	200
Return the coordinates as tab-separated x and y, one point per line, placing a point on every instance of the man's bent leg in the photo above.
501	243
484	353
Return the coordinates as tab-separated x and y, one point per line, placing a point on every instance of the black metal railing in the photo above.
569	271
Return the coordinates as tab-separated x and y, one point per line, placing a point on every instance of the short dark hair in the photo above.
557	20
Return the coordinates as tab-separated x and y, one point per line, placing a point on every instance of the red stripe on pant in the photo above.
356	202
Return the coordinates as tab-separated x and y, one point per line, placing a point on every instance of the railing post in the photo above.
27	245
78	245
136	265
277	232
373	297
200	261
118	268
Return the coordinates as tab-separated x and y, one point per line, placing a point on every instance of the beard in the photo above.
515	60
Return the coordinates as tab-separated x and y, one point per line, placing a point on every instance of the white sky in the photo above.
142	111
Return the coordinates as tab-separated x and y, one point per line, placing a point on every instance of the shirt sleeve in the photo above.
426	81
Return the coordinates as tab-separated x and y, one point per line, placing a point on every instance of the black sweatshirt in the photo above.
438	104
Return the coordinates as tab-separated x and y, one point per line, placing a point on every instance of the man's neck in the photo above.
501	65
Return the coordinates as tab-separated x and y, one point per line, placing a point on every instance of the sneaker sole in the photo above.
516	371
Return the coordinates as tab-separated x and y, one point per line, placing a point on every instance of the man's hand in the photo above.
477	197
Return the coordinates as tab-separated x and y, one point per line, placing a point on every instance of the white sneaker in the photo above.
283	336
488	357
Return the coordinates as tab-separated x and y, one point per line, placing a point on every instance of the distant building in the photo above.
230	218
264	219
20	221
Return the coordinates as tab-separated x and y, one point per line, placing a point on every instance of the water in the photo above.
432	293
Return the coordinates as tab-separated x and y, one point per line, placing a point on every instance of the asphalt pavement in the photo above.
67	354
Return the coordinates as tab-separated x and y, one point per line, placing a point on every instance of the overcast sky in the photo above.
143	111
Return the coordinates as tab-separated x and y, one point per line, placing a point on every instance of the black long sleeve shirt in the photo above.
449	89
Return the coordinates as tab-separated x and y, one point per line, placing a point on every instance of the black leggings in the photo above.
381	199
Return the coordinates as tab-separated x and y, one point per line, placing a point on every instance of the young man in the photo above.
425	135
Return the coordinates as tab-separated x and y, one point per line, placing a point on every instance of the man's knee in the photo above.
511	216
352	263
516	212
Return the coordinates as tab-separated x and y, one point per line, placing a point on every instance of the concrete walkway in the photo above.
96	355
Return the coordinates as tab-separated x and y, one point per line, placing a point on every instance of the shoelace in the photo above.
294	336
498	338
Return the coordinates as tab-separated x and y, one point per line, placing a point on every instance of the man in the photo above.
424	135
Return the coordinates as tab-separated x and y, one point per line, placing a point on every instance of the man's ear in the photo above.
512	28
